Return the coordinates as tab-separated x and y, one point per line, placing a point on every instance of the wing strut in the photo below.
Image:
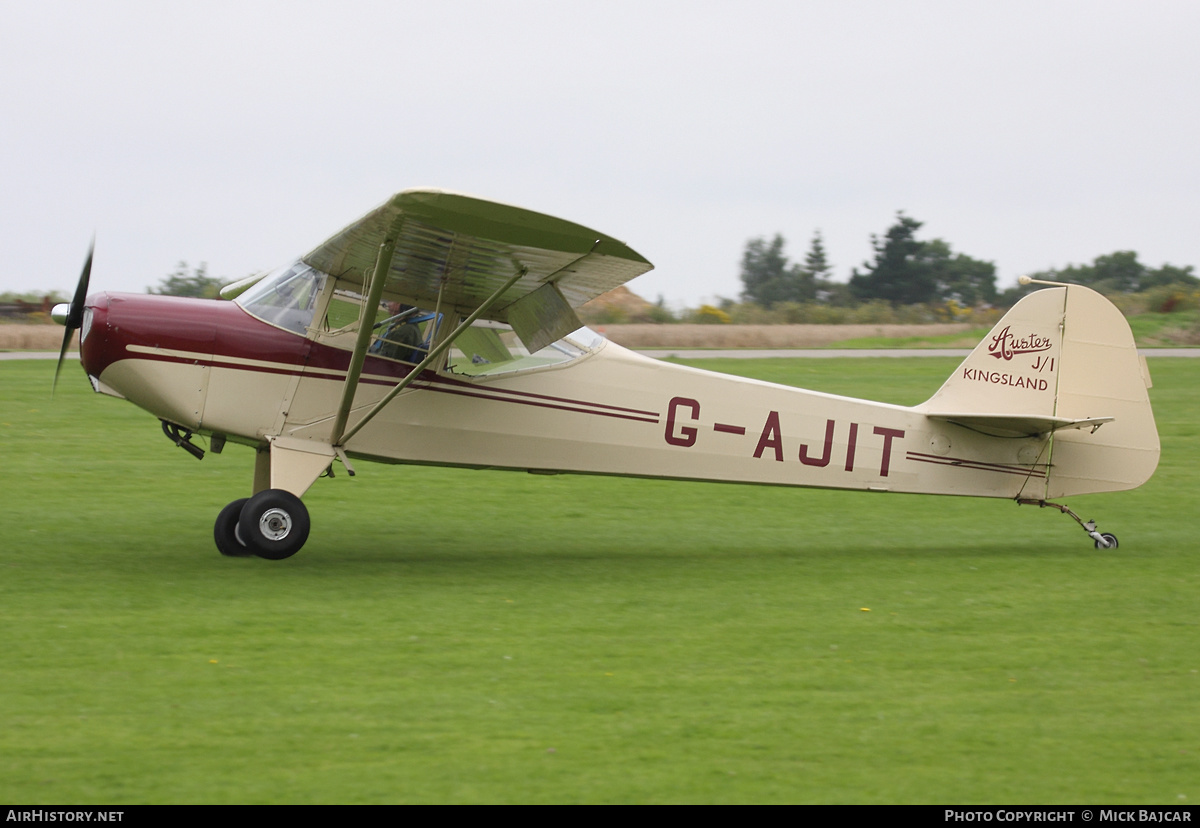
370	309
429	359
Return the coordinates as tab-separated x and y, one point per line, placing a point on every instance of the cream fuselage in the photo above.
211	367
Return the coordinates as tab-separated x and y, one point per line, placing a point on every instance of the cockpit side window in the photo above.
401	332
489	348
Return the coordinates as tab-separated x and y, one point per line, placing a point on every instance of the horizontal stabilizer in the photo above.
1018	425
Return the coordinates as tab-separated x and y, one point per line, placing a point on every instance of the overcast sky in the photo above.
242	134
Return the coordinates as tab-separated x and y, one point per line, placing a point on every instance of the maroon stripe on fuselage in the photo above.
465	392
221	332
975	465
213	328
531	395
201	326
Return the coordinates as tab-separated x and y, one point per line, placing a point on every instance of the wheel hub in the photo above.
275	524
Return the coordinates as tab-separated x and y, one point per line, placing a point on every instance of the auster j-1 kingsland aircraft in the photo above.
440	329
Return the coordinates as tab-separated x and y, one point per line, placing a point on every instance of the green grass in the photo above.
1166	330
457	636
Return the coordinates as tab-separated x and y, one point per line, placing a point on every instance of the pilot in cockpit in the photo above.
402	338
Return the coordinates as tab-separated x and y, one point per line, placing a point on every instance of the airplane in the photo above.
440	329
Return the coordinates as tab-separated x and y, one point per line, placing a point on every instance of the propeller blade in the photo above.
75	315
81	289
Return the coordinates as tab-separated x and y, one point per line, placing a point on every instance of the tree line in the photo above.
906	270
189	281
907	279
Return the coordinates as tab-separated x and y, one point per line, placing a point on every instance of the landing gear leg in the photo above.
273	523
1103	540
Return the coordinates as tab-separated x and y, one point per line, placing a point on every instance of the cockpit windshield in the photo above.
286	297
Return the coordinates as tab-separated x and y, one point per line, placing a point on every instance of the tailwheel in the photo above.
1103	540
225	532
273	524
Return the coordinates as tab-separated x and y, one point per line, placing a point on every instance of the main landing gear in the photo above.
1103	540
273	525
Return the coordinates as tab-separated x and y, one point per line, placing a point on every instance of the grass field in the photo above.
457	636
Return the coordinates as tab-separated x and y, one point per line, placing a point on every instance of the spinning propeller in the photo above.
71	316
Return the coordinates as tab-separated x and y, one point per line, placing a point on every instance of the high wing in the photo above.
471	259
454	251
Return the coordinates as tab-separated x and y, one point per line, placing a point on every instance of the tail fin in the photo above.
1062	363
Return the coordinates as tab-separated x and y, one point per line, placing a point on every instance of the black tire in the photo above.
274	524
225	532
1111	538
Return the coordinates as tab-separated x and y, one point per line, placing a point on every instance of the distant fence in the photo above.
762	336
21	310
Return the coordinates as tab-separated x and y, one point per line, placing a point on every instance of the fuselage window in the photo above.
490	348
